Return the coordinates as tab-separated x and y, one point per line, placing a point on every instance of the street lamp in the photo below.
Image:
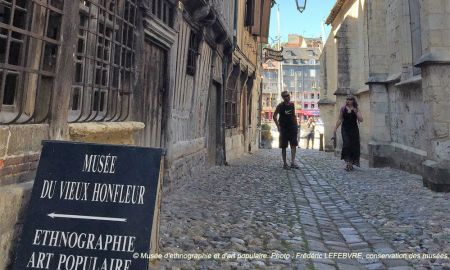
301	5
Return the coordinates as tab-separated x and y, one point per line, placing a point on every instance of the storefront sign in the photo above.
274	55
311	112
92	208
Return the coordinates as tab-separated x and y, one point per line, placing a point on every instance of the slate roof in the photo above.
301	53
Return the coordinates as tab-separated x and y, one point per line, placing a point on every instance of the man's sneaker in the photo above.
286	167
294	166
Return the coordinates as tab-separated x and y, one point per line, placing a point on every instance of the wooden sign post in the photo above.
93	207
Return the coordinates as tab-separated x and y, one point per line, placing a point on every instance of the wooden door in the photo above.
155	84
213	138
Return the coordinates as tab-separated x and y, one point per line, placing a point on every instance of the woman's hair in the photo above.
355	103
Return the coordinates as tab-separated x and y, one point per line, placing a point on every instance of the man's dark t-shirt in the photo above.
287	118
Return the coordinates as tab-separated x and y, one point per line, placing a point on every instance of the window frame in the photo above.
192	53
105	61
249	13
416	34
31	48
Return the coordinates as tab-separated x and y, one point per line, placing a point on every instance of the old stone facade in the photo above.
152	73
243	90
394	56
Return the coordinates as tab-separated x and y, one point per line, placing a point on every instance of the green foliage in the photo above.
265	127
266	135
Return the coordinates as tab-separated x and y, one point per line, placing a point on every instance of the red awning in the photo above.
310	112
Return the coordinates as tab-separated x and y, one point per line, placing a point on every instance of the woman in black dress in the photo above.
349	117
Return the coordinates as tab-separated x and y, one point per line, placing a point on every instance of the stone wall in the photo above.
20	147
13	202
122	133
234	146
364	127
436	88
328	74
180	170
329	119
406	66
406	116
436	96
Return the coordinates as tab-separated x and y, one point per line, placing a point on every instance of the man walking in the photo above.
288	127
311	127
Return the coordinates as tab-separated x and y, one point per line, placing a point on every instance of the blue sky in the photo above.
307	24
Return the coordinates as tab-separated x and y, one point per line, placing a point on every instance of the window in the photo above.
29	44
163	10
231	108
192	54
231	102
249	11
306	106
416	39
104	61
313	106
305	96
312	62
318	96
312	73
312	96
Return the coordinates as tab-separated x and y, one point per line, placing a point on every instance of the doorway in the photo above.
155	87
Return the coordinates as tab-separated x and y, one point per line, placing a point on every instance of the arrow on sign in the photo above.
54	215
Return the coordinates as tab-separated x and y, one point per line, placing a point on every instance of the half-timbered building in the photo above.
182	75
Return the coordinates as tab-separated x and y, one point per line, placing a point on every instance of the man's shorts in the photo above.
288	136
310	136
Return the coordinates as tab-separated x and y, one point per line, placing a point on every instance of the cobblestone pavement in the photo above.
253	208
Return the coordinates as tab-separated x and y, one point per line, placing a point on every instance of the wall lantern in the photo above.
301	5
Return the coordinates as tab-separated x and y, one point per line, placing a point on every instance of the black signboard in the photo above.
274	55
91	208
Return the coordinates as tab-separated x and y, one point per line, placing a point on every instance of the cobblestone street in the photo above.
254	207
